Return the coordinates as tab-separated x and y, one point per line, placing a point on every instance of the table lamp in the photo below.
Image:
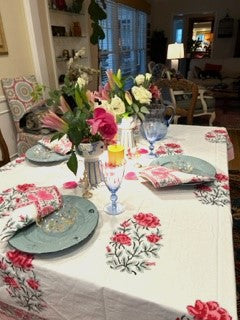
174	53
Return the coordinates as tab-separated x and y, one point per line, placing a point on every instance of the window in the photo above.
124	45
178	30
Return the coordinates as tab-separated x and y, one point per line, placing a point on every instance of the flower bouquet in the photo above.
85	123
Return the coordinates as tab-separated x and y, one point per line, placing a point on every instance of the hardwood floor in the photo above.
234	135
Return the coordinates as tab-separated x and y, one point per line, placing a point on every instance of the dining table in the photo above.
171	246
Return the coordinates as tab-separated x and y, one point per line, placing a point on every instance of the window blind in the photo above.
124	45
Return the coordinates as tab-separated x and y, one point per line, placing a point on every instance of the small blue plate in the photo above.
62	229
186	164
41	154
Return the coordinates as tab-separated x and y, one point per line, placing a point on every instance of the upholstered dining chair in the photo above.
5	158
20	101
182	114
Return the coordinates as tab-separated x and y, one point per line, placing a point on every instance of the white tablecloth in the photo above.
194	262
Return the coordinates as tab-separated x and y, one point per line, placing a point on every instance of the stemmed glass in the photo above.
155	125
113	175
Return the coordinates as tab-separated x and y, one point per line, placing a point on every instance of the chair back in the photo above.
18	95
185	86
151	64
4	150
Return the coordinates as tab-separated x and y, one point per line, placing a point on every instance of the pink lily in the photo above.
90	97
51	120
155	91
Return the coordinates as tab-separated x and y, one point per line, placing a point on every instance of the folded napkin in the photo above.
61	146
24	204
165	177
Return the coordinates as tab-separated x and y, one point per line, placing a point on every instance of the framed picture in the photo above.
3	43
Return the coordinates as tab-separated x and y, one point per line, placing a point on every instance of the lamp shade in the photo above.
175	51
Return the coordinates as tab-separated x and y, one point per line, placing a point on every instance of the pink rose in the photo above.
3	266
209	135
44	195
108	249
46	210
153	238
147	220
25	187
125	224
204	188
150	263
154	91
103	123
220	131
32	197
20	259
1	199
122	238
142	151
11	282
131	176
34	284
172	145
226	187
199	311
221	177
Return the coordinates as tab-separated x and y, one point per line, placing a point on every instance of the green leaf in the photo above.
117	81
141	116
135	107
78	99
144	110
57	135
96	12
73	163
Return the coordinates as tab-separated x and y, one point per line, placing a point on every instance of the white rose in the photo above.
139	79
117	105
148	76
81	82
106	105
142	95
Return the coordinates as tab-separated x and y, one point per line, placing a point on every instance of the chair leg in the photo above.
212	118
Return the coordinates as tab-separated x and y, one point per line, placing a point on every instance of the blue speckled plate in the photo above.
64	228
186	164
41	154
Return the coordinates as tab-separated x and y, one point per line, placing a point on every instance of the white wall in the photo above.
162	12
7	127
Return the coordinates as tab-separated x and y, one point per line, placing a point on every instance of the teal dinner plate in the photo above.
64	228
41	154
186	164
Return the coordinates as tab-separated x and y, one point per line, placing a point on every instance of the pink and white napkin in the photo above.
61	146
24	204
165	177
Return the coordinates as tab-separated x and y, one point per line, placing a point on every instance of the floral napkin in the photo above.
61	146
165	177
24	204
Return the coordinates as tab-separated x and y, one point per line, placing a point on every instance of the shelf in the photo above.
60	59
69	13
68	37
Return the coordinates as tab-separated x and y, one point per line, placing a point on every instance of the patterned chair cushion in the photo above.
18	94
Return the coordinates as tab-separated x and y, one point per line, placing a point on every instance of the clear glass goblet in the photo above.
155	125
113	176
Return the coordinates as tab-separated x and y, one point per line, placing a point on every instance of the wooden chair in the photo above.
4	151
181	86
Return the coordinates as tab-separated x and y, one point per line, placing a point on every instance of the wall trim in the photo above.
2	99
3	112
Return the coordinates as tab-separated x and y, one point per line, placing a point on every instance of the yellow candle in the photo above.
115	154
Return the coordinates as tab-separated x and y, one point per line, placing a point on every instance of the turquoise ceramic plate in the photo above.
187	164
70	225
40	154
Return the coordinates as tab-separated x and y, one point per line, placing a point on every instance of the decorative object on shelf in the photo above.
76	6
225	27
58	31
60	4
65	54
91	152
76	29
3	43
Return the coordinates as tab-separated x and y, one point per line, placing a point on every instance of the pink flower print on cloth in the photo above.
135	244
217	193
13	163
206	311
221	136
21	282
24	204
61	146
169	149
165	177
